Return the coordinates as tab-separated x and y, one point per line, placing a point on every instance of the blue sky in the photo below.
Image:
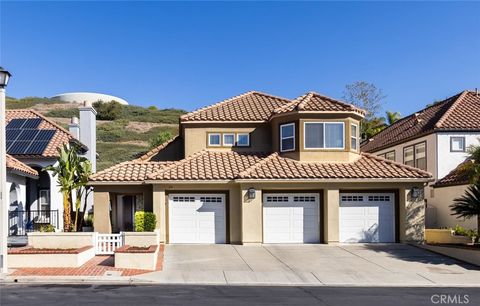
191	54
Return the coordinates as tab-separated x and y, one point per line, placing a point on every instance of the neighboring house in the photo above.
257	168
32	143
434	139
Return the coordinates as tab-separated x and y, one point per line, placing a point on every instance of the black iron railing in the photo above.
21	222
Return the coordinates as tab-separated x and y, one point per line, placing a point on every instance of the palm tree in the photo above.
468	205
67	170
84	170
392	117
472	165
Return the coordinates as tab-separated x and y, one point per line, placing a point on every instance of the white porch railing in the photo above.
105	244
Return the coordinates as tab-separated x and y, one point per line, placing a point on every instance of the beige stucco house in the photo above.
257	168
435	139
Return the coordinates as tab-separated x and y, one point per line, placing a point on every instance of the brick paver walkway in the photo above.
97	266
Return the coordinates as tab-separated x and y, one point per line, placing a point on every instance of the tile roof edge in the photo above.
254	166
32	171
186	116
451	109
149	154
345	103
393	163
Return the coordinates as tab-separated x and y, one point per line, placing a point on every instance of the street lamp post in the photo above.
4	77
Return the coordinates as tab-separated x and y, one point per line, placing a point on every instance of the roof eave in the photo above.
102	183
276	115
333	180
22	173
175	182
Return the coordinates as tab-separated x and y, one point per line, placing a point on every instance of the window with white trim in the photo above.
228	139
324	135
287	137
214	139
457	144
243	139
354	137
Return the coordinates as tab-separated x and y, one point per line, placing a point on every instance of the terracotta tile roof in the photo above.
460	112
228	165
458	176
60	137
315	102
208	165
15	164
366	167
150	154
250	106
129	171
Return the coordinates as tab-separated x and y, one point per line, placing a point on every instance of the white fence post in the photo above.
106	244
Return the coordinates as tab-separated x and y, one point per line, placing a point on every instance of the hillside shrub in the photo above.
108	110
160	138
145	221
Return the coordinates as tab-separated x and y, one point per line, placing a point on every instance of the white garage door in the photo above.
291	218
196	218
367	217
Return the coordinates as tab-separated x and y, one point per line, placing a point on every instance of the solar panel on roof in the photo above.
19	147
32	123
37	147
45	135
16	123
27	135
12	134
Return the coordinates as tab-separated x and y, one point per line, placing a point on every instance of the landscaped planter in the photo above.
444	236
466	254
134	257
29	257
141	239
70	240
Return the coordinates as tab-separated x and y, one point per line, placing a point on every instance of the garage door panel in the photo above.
369	220
286	219
198	219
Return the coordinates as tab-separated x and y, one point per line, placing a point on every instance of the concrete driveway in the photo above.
359	264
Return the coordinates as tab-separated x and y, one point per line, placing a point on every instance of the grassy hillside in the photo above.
118	140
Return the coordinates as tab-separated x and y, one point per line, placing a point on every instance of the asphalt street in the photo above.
85	294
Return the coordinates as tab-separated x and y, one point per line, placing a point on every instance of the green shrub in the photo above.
160	138
145	221
108	110
46	228
461	231
63	113
88	222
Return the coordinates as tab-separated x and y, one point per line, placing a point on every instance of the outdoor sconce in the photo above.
251	193
415	193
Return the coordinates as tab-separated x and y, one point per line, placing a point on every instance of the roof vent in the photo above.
417	117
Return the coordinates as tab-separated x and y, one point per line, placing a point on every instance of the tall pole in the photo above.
3	185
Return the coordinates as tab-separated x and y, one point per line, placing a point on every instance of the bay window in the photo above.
324	135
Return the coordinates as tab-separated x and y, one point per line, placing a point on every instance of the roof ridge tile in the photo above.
450	110
254	166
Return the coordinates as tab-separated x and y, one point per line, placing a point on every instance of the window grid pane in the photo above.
314	135
334	135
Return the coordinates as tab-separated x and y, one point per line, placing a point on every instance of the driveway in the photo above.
359	264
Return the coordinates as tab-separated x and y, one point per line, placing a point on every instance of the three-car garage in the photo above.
294	217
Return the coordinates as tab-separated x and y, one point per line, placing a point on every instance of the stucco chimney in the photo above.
74	127
88	132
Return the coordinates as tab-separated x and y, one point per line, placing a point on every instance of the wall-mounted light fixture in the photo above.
251	193
415	193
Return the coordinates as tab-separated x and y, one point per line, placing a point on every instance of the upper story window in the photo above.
390	155
287	137
228	139
457	144
214	140
324	135
354	137
243	139
416	156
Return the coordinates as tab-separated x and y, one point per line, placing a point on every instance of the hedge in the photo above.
145	221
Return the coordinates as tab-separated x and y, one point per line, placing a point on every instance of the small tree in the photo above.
472	166
160	138
84	170
392	117
468	205
69	172
370	98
